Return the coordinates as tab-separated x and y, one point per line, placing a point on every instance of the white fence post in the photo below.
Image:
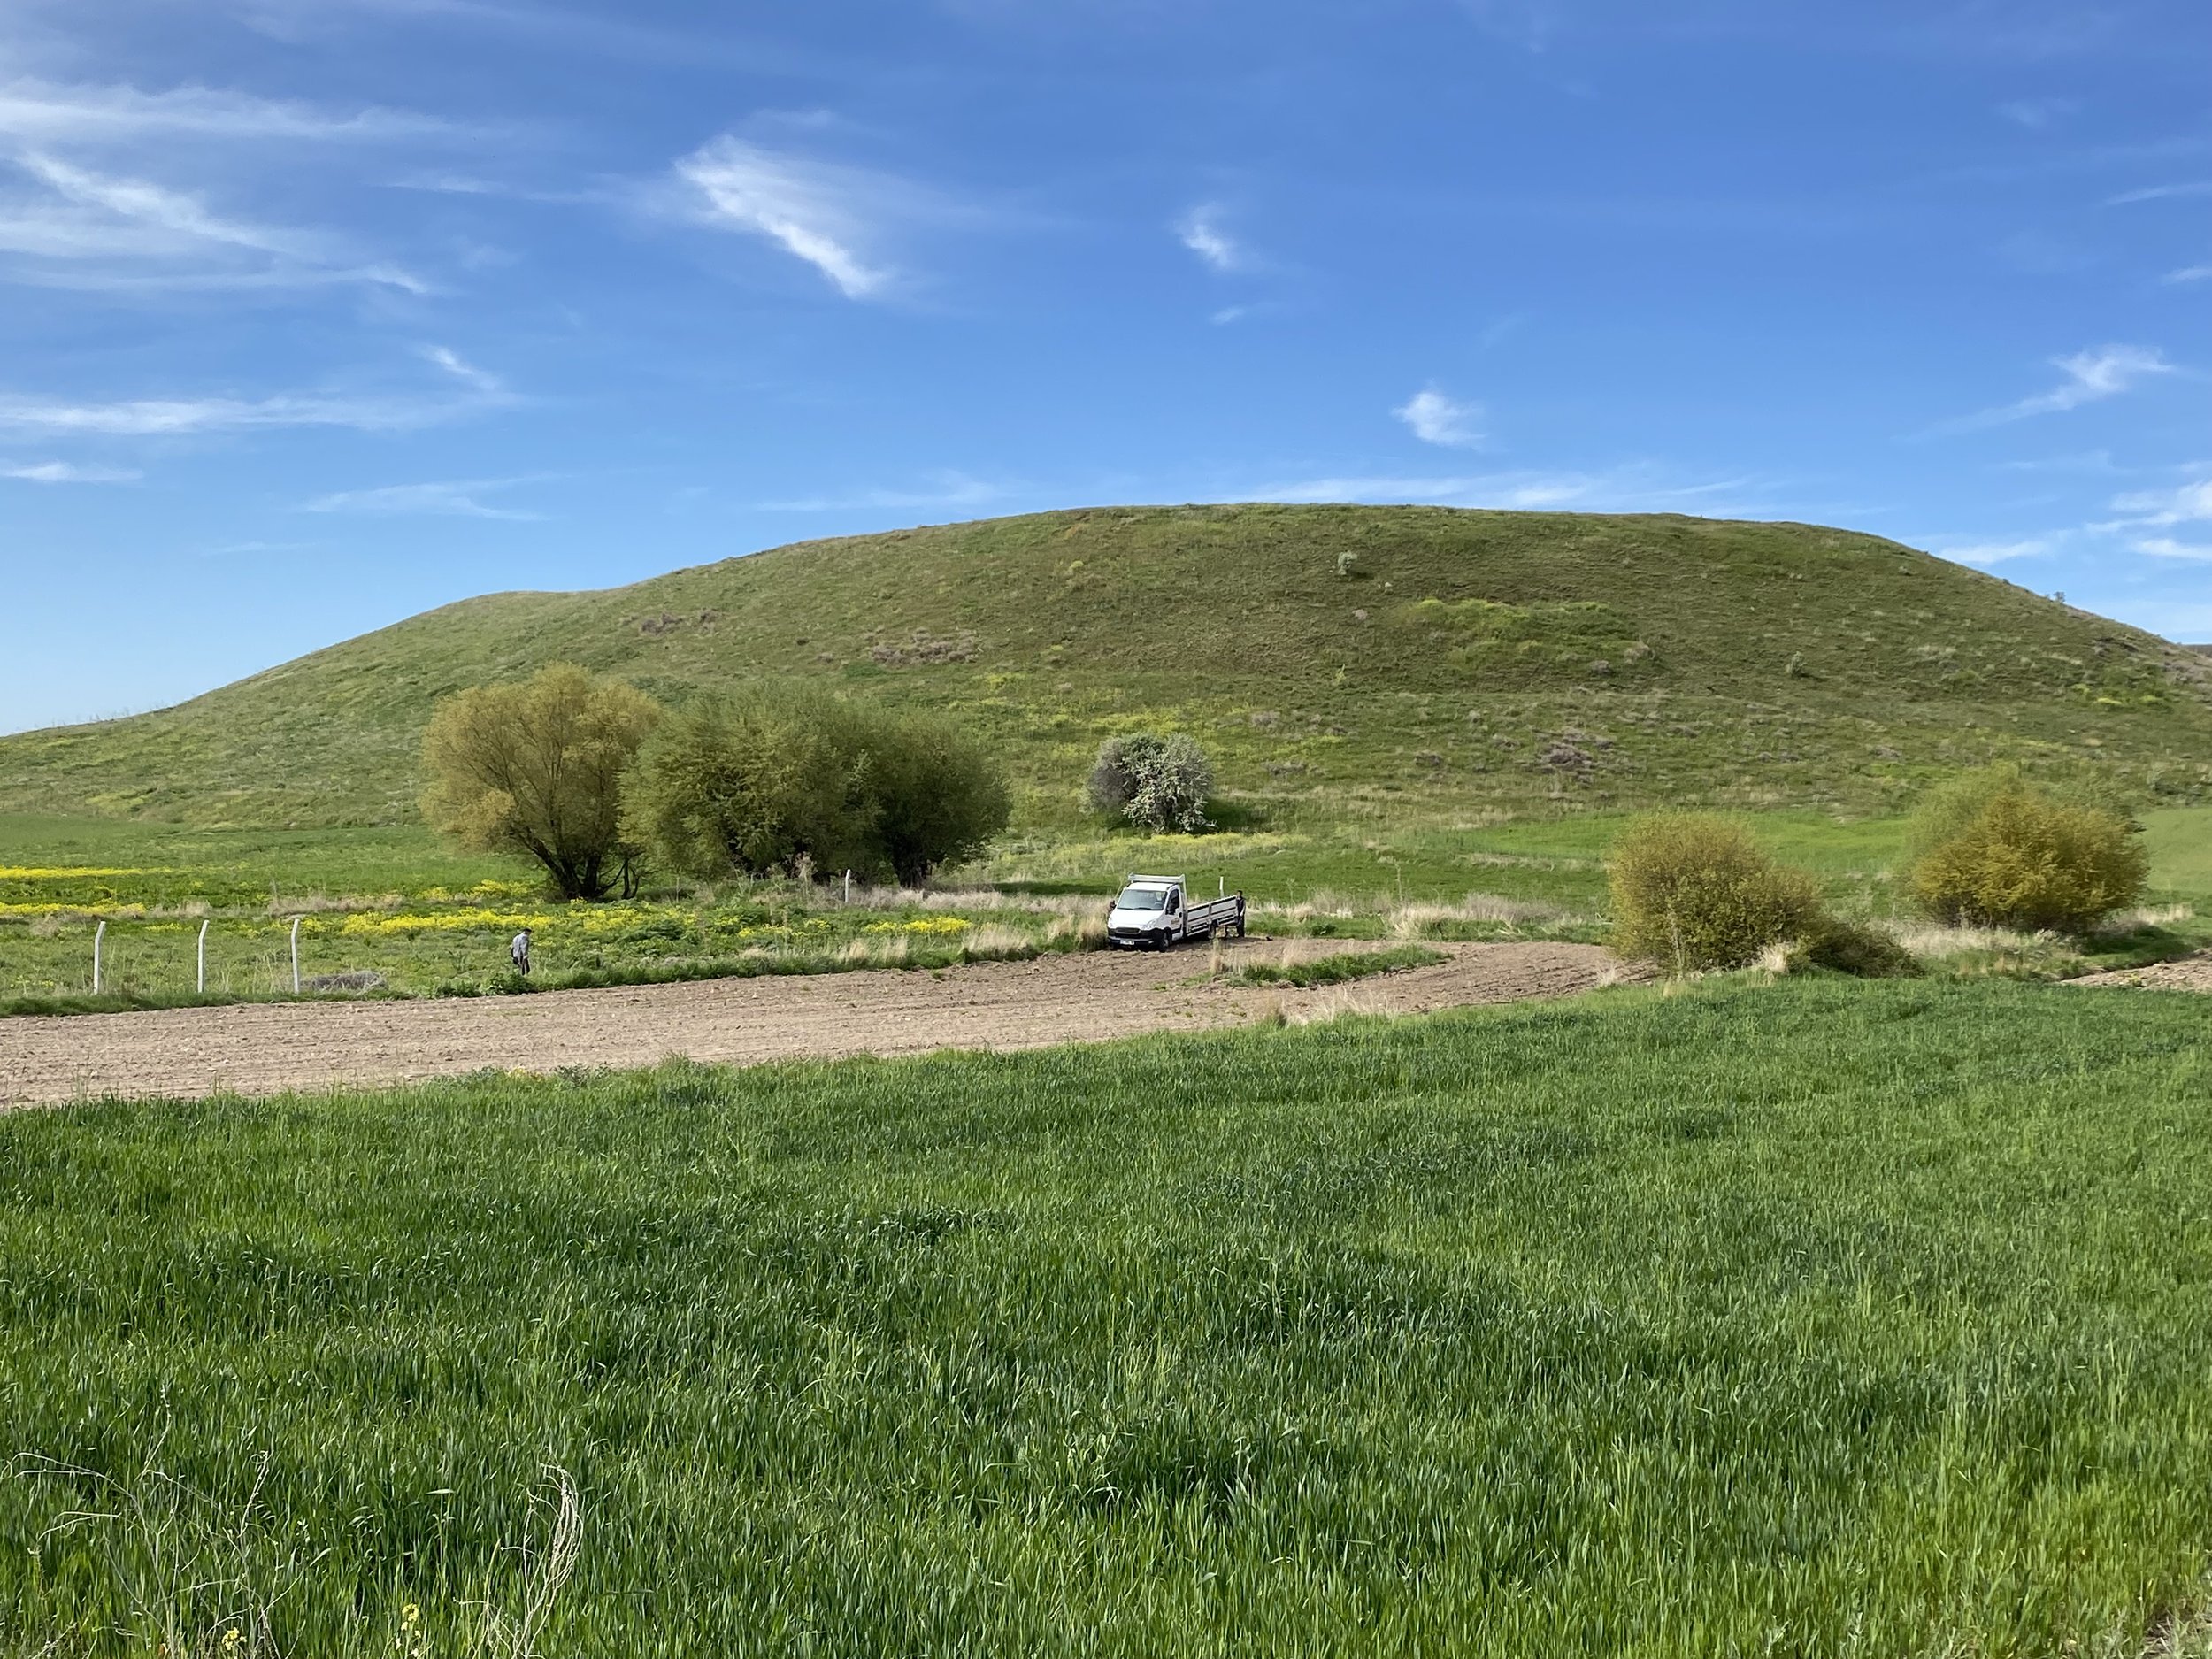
203	984
848	887
296	956
99	934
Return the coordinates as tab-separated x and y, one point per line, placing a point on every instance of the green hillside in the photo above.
1439	662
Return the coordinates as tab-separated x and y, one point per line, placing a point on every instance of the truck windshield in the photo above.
1142	899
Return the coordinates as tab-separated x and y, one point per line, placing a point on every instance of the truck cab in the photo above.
1159	911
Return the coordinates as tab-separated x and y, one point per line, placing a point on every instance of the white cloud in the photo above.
2092	376
65	473
1200	231
952	489
87	229
466	372
456	499
1436	418
148	204
2165	546
2161	511
1628	489
42	111
144	418
809	210
2191	503
2187	273
2161	193
2036	113
1995	552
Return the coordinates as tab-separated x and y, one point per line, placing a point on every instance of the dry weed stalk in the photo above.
544	1573
201	1575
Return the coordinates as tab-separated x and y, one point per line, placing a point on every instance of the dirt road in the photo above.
268	1047
2190	973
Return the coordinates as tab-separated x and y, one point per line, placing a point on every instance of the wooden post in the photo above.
99	934
296	956
203	984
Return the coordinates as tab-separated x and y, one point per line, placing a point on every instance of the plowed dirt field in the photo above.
266	1048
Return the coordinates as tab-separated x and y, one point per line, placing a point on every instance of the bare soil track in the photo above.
265	1048
2190	973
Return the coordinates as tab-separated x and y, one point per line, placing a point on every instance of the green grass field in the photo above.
397	902
1463	664
1812	1319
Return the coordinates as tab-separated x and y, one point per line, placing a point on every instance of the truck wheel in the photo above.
1167	941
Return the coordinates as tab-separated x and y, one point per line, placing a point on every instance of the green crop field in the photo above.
1372	667
1819	1318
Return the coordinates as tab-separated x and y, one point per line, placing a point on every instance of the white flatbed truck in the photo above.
1156	912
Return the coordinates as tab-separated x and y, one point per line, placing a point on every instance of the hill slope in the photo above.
1430	658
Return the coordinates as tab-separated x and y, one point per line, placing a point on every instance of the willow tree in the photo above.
537	768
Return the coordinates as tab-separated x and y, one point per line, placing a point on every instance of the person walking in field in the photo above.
518	953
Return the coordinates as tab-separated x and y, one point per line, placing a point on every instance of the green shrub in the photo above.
1155	783
1994	850
780	780
1695	892
1852	947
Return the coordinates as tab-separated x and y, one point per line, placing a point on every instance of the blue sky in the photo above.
315	313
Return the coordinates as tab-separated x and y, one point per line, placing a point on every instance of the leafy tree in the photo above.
1154	782
758	782
751	783
1696	892
1993	849
940	797
536	768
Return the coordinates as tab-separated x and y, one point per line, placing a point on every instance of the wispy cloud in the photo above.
2091	377
144	418
2164	547
2161	193
477	379
1625	490
2152	514
2191	503
2036	113
950	490
2187	274
1995	552
811	210
40	111
1200	231
1527	24
90	228
457	499
66	472
1438	419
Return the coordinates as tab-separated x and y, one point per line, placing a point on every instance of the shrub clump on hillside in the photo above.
1155	783
1694	892
777	779
1855	948
537	768
1994	850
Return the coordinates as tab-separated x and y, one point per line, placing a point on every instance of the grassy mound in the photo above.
1822	1319
1460	661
